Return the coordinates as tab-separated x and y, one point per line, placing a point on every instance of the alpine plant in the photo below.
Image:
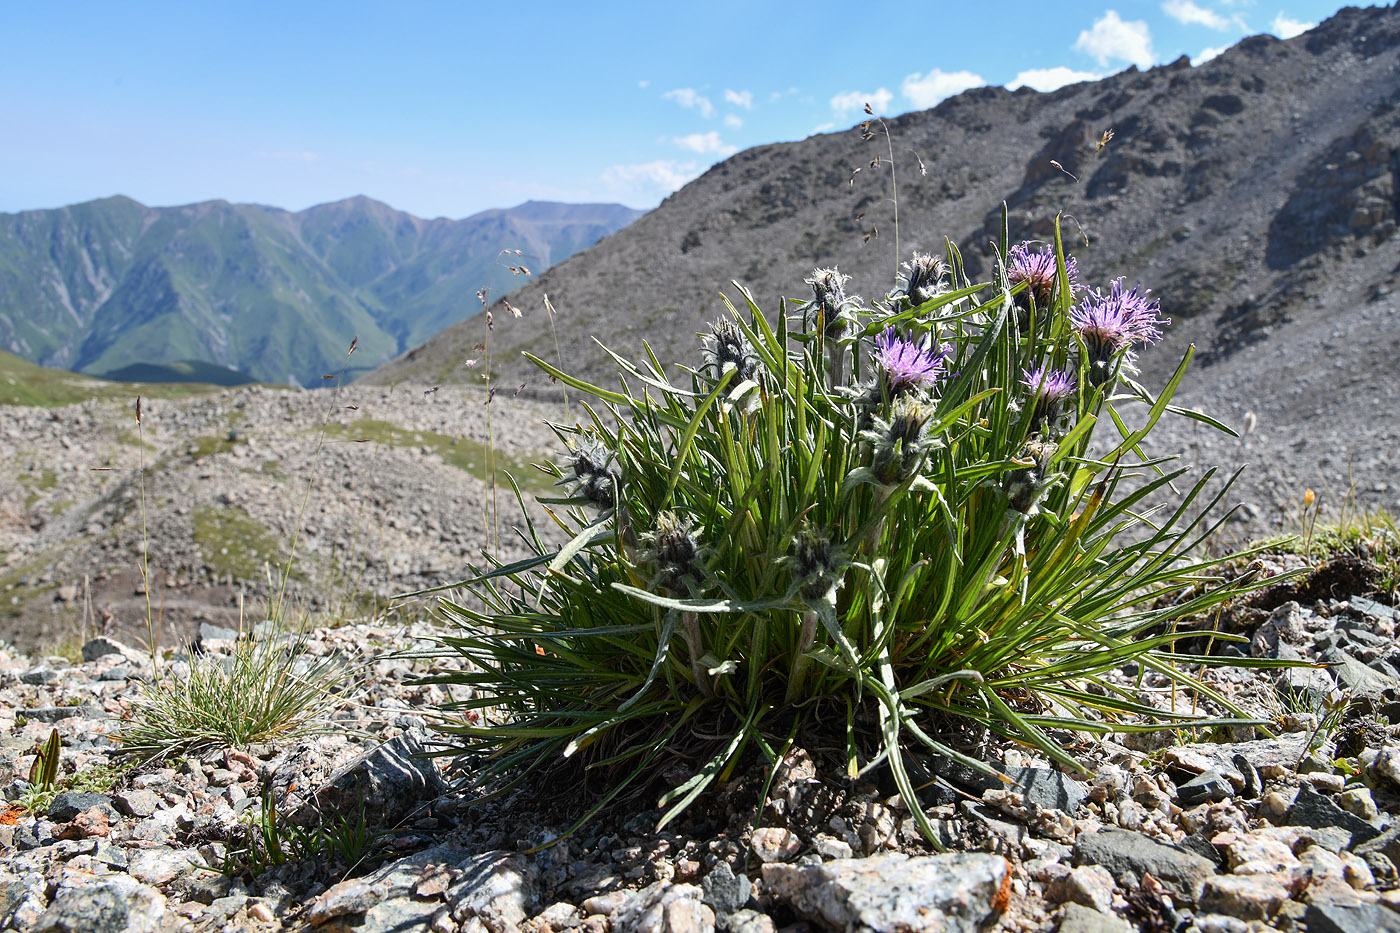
946	554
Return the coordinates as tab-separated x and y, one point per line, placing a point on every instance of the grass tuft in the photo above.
267	690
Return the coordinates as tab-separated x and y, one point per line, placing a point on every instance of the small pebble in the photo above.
1274	805
1360	802
1325	782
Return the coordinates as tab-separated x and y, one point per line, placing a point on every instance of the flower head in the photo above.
1038	270
831	309
671	548
1050	384
1025	486
900	442
905	364
817	567
592	468
921	280
1050	388
1110	324
726	347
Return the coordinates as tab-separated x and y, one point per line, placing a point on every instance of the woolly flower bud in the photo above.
591	468
726	347
831	310
921	279
1025	486
814	564
671	548
900	442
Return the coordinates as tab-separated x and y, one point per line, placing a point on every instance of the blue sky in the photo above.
445	109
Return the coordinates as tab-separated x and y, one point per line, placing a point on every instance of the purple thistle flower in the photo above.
906	364
1120	318
1038	270
1114	322
1050	387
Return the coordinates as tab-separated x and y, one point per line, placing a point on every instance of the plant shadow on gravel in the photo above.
879	529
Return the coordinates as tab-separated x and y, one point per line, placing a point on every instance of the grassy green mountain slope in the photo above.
25	383
109	284
196	371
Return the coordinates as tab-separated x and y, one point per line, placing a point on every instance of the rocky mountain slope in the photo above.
364	493
1256	194
102	286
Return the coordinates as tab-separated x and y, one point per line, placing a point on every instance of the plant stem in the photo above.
894	193
690	624
799	661
145	544
836	357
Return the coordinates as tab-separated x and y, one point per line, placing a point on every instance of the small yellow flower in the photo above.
1309	498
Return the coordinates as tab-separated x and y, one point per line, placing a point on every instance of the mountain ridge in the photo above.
1206	163
279	294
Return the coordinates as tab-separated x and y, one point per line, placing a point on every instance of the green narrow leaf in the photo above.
591	534
616	398
703	605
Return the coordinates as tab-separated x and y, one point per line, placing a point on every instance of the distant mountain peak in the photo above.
111	283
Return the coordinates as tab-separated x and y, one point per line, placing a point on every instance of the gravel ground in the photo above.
1226	831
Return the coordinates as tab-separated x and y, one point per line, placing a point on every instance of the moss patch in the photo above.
37	483
210	445
463	453
134	439
233	542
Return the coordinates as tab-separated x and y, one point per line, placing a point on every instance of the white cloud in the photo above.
849	102
1286	28
1207	54
691	99
823	127
643	83
647	180
739	98
705	143
1050	79
733	122
1113	39
1187	12
927	90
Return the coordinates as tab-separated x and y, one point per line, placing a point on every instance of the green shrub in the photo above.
888	520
